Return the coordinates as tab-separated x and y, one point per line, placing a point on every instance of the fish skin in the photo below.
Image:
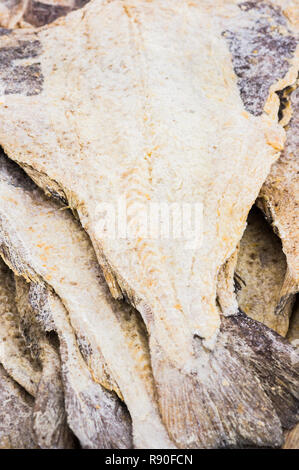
49	418
148	286
31	13
262	42
15	412
111	357
293	332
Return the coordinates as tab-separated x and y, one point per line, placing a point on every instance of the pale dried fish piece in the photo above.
279	197
133	106
14	355
49	417
42	242
15	415
260	274
83	396
91	410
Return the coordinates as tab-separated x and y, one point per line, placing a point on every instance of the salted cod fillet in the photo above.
16	411
46	245
259	275
27	13
140	101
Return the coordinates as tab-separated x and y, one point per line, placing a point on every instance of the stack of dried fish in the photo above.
139	340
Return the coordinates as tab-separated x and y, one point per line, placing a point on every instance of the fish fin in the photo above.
241	394
274	360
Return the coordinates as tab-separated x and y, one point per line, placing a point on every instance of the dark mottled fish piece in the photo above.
279	196
260	274
49	417
261	45
16	405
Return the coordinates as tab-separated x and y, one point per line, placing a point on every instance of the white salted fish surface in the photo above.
47	246
148	101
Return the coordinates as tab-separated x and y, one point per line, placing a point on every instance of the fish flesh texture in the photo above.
48	247
129	102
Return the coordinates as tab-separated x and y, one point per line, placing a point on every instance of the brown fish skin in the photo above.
15	415
49	417
77	129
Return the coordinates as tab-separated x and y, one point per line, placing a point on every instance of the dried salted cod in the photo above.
49	417
260	274
15	415
26	13
279	198
139	102
14	355
44	243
